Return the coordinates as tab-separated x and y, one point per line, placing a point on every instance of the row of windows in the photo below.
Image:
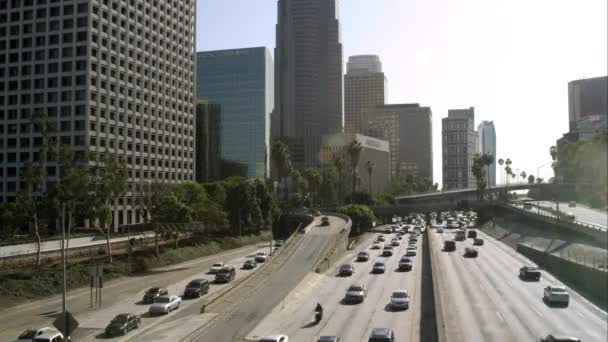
74	140
41	83
38	69
28	127
41	98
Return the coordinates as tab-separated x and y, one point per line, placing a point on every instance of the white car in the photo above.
411	251
164	305
261	257
556	295
218	266
274	338
42	335
376	246
400	299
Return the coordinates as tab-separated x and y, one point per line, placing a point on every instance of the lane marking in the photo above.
483	288
499	316
538	313
580	314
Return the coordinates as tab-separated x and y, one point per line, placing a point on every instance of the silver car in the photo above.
164	305
400	299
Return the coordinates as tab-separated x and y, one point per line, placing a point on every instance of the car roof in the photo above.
328	338
563	338
199	281
381	332
400	291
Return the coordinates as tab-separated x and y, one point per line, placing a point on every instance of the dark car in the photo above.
382	335
250	264
196	288
471	234
328	339
325	221
405	264
362	256
449	245
154	293
122	324
556	338
470	252
346	270
478	242
529	273
225	275
387	251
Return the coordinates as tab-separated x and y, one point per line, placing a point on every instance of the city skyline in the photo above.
503	62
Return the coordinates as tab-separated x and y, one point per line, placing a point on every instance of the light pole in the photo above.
537	177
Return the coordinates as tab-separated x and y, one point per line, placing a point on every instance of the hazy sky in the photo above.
511	60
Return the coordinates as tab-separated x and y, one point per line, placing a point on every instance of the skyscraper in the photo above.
241	82
208	141
487	145
460	145
116	77
364	87
308	74
587	102
409	131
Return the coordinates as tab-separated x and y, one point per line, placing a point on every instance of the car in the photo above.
43	334
261	257
274	338
570	217
387	251
362	256
356	293
449	245
470	252
556	295
529	273
164	305
250	264
397	237
382	335
405	264
411	251
346	270
375	245
478	242
329	339
395	243
325	221
559	338
400	299
460	235
378	267
196	288
216	267
226	274
413	239
471	234
122	324
439	230
380	238
153	293
571	204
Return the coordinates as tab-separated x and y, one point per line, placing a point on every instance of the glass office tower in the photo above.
241	82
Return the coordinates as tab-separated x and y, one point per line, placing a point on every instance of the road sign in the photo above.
60	323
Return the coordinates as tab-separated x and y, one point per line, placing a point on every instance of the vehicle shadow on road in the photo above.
154	272
309	325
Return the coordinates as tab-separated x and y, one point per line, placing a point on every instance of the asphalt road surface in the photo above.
351	322
119	295
484	300
582	213
234	322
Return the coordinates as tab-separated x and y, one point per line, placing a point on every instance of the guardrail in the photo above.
553	214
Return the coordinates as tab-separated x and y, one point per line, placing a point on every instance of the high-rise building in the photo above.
460	145
588	104
241	82
409	131
208	141
487	145
364	88
373	150
115	77
308	74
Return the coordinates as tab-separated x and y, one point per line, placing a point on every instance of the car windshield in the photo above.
153	290
399	294
378	264
217	265
355	288
194	283
558	290
120	319
28	334
163	300
344	267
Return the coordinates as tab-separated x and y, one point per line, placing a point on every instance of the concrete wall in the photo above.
588	281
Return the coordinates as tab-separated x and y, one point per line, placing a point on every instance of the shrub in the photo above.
361	215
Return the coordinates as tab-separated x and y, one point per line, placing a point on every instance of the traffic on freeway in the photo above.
369	291
486	300
581	213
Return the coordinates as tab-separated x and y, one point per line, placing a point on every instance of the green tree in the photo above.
279	154
361	215
477	169
329	184
313	177
531	179
501	163
339	163
354	154
523	176
487	159
369	166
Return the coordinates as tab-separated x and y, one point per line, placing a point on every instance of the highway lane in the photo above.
120	292
351	322
490	302
582	213
238	316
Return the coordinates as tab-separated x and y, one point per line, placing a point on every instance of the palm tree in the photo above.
279	154
523	175
554	164
501	162
354	153
370	169
487	160
339	163
508	170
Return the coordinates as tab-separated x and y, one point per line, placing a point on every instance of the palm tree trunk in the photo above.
67	243
108	244
370	183
38	239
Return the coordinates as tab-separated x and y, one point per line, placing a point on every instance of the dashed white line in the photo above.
483	288
580	314
538	313
499	316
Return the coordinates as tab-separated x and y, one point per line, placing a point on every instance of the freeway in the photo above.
582	213
484	300
54	245
118	295
351	322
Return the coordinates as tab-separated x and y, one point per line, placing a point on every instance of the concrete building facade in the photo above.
364	88
308	74
375	150
115	77
241	82
460	145
587	104
409	130
487	145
